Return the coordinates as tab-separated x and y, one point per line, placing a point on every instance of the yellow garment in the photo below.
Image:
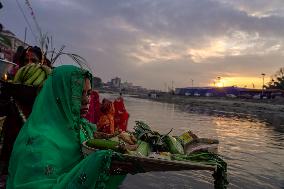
106	121
106	124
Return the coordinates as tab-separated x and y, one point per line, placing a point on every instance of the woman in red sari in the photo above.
94	109
121	116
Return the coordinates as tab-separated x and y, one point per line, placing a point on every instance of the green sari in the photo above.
47	152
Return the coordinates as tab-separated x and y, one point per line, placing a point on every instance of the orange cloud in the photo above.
249	82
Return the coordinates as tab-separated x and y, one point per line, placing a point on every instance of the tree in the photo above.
97	82
277	81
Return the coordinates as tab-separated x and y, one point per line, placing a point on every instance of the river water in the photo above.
253	150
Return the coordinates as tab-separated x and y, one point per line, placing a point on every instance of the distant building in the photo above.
208	91
115	82
9	44
229	92
126	85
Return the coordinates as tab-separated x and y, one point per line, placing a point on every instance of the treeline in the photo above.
97	82
277	80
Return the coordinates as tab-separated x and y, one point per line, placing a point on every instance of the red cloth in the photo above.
97	105
94	109
121	116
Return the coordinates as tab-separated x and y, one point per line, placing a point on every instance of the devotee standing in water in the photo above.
121	116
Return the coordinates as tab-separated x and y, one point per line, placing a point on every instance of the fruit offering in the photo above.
32	74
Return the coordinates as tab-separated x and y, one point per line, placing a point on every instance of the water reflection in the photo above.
253	149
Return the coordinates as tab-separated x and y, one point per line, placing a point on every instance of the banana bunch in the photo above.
32	74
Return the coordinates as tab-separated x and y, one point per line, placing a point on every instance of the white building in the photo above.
116	82
126	85
9	44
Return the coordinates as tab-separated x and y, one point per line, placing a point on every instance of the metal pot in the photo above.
5	66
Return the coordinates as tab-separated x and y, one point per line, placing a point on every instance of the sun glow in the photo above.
244	82
219	84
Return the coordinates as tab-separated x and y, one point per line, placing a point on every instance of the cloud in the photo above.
152	42
153	50
258	8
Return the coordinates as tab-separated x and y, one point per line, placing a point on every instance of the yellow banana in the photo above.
30	72
33	77
27	68
40	78
46	69
19	74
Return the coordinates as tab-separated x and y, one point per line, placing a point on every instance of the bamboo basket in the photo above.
20	92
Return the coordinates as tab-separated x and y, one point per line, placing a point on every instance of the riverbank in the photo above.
271	111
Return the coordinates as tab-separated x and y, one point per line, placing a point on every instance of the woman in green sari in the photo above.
47	152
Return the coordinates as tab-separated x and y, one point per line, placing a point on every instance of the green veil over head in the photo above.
47	152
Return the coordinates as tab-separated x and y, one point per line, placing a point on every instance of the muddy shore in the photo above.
270	111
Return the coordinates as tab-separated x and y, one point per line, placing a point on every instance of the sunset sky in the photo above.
154	42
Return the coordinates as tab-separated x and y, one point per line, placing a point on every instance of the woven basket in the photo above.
129	162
